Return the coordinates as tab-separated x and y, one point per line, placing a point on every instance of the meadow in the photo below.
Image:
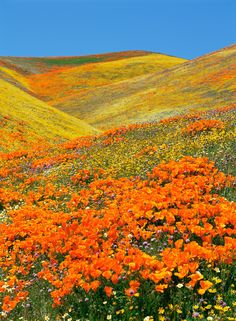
135	223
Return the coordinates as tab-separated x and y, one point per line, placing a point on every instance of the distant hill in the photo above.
206	82
63	87
63	81
116	89
33	65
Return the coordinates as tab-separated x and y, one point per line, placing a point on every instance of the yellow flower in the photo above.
120	311
216	280
225	309
161	310
148	318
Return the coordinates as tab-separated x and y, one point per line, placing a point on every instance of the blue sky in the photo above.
184	28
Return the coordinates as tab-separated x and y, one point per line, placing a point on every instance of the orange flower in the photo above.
205	285
179	243
161	287
107	274
108	290
194	278
183	271
94	285
130	292
134	285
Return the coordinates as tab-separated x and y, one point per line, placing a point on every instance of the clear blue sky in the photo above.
184	28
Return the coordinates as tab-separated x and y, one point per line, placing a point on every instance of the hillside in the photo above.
206	82
62	85
63	81
128	87
124	225
35	119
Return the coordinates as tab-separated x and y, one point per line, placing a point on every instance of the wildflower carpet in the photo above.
136	223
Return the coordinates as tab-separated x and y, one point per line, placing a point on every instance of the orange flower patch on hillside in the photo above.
121	233
203	125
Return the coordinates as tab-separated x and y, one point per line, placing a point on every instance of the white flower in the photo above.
179	285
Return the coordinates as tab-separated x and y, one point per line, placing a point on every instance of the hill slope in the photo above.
63	81
61	85
103	220
122	88
206	82
36	118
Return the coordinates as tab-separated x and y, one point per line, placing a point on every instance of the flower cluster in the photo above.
203	125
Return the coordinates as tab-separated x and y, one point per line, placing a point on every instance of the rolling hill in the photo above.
116	89
206	82
34	65
63	81
135	89
61	85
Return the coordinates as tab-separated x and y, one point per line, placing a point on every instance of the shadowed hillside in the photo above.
28	118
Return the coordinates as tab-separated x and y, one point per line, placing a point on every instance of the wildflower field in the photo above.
136	223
